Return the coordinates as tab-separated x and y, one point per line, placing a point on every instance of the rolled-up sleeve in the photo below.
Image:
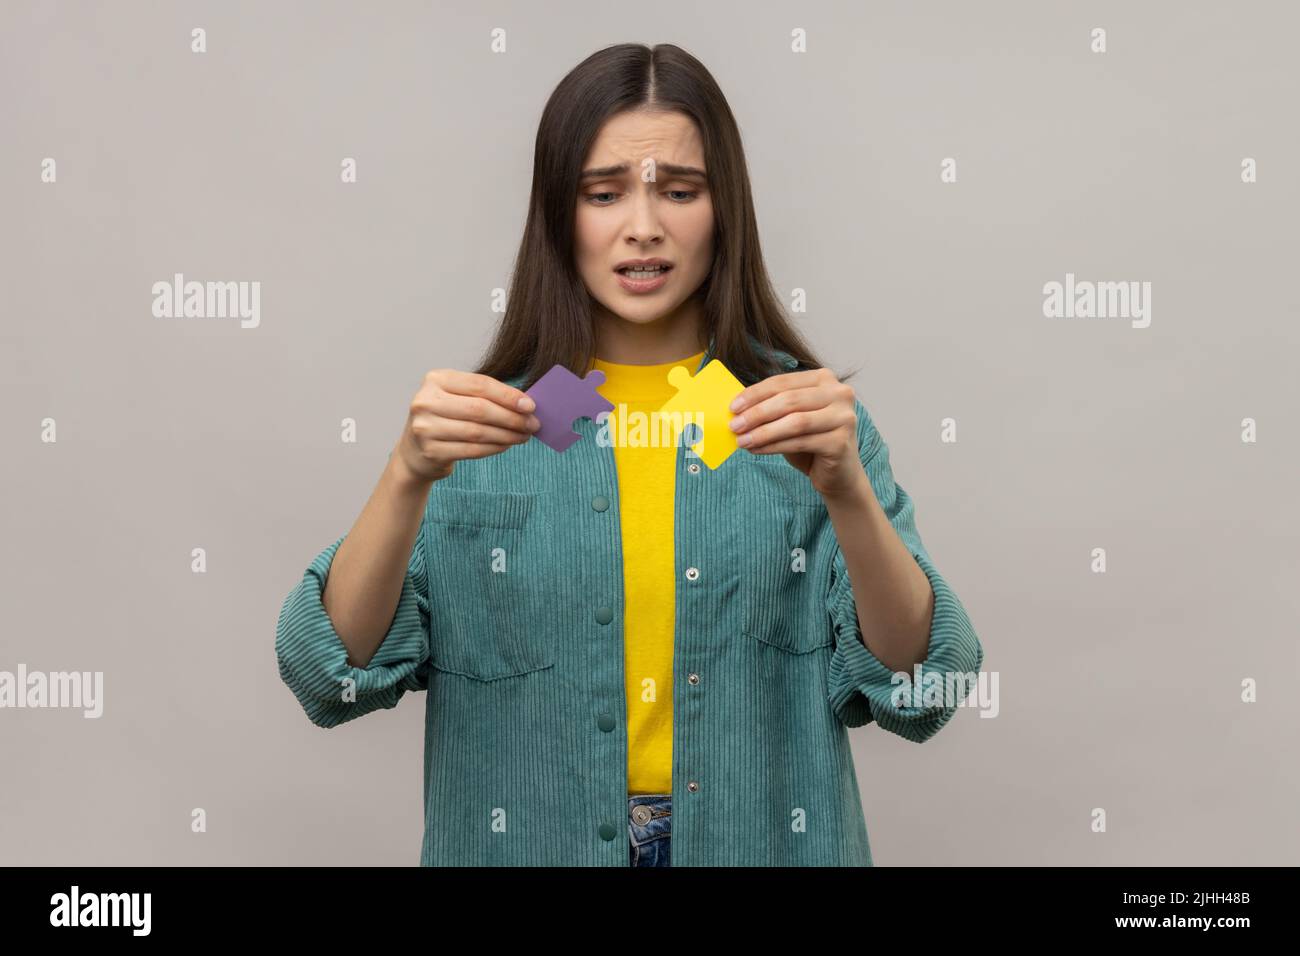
862	688
313	660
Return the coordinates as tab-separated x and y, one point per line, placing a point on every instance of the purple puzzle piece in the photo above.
561	398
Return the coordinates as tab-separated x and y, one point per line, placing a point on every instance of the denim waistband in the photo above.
649	816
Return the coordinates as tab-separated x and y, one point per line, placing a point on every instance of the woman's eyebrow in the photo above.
603	172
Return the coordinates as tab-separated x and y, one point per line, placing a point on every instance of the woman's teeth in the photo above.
644	273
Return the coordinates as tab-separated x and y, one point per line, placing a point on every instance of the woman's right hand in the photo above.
457	415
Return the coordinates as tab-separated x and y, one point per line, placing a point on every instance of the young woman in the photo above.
631	657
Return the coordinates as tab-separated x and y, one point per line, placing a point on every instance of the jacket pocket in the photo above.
486	577
784	566
773	475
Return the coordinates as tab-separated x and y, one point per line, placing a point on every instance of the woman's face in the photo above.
621	216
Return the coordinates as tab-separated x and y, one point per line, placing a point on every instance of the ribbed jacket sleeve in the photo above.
861	687
313	660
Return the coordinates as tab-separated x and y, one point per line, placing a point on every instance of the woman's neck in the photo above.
667	339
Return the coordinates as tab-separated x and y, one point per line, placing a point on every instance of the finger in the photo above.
460	451
816	444
778	405
770	386
485	386
480	407
442	429
795	424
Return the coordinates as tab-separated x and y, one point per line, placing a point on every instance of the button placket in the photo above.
606	701
692	575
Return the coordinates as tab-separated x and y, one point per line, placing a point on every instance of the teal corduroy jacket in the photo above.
525	757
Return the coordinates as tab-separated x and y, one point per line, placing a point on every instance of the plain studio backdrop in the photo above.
1120	691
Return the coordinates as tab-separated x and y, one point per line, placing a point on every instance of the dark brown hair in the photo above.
548	318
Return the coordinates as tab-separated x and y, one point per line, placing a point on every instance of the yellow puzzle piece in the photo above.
703	400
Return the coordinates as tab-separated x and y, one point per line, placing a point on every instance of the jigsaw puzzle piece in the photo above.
705	398
561	399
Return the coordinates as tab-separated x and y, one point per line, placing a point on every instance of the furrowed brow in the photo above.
672	169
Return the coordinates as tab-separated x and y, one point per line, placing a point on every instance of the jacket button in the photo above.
693	678
604	615
692	574
693	468
607	831
605	722
599	503
692	786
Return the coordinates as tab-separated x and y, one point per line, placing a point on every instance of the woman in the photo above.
632	657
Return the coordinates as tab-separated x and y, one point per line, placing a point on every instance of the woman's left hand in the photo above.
810	417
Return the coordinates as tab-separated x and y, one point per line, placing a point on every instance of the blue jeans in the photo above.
649	827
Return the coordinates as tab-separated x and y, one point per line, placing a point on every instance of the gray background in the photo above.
1119	691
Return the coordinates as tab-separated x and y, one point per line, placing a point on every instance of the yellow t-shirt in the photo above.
646	467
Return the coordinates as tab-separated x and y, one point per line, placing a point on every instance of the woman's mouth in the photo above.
643	278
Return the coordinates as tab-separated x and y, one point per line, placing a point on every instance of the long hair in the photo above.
548	318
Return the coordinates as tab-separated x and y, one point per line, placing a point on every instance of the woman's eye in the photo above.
686	195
